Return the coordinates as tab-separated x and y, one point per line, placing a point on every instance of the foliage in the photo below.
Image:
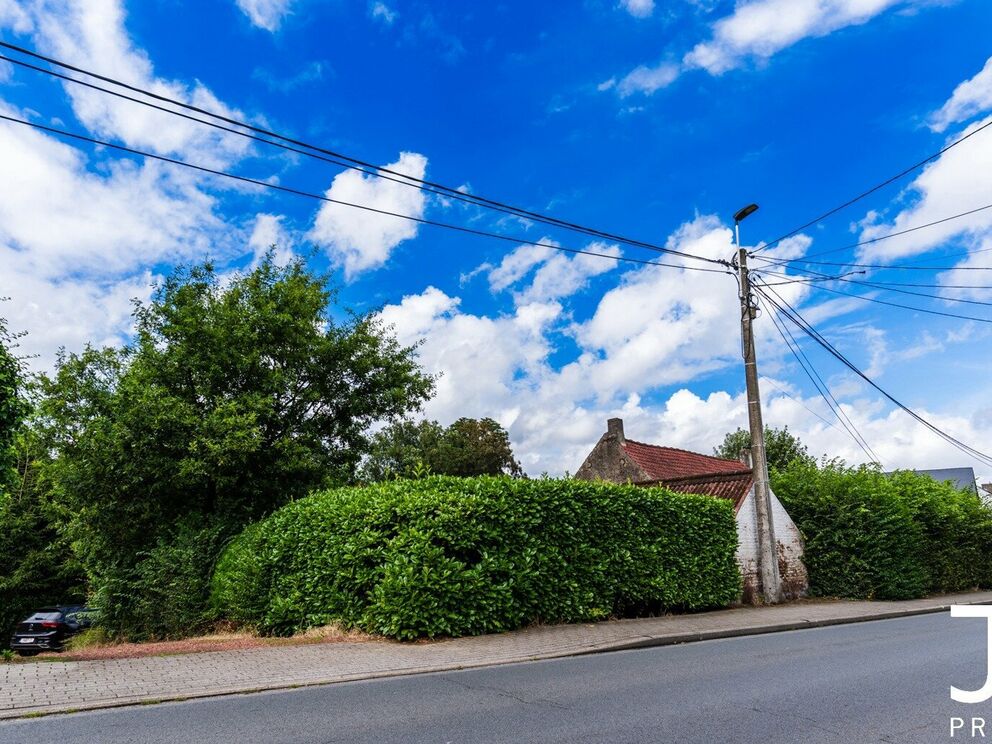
238	394
781	447
13	408
458	556
37	565
468	447
874	536
168	587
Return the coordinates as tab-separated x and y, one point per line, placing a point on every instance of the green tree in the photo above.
37	566
13	408
782	447
236	396
467	447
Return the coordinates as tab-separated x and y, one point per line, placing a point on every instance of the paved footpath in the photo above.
52	687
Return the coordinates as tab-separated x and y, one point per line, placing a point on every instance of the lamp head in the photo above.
745	212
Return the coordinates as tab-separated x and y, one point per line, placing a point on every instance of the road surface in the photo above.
883	681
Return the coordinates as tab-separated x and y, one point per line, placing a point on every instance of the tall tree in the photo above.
37	566
467	447
237	395
781	447
13	407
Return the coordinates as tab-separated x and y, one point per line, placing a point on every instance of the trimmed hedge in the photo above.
462	556
873	536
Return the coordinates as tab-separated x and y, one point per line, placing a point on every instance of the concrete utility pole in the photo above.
767	549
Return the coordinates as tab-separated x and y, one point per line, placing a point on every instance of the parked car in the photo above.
49	628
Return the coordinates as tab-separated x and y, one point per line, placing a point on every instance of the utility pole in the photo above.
767	549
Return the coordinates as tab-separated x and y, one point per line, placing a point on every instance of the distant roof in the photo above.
960	477
691	472
666	463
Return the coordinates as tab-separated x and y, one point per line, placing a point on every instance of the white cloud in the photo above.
360	240
638	8
382	12
660	327
761	28
93	35
958	181
556	273
964	273
74	244
267	14
74	221
66	311
646	80
14	17
757	29
970	98
269	233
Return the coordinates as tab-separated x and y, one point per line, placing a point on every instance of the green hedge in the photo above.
873	536
461	556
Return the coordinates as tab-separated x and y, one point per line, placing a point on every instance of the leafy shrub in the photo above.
956	532
461	556
165	594
873	536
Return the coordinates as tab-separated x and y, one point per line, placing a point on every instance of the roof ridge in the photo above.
679	449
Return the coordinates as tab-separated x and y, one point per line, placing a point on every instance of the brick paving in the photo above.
51	687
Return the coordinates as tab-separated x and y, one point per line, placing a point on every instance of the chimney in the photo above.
745	456
614	427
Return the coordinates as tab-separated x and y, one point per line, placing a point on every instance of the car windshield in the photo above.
42	616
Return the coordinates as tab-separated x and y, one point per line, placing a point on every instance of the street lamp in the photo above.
767	546
739	216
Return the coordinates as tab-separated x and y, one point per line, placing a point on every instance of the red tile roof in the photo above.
691	472
666	463
733	486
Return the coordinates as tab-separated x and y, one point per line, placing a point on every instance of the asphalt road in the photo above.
883	681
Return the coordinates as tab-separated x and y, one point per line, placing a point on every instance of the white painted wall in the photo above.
794	581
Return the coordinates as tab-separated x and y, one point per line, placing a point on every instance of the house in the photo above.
963	478
620	460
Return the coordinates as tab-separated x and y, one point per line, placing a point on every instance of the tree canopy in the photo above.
13	408
467	447
781	447
238	394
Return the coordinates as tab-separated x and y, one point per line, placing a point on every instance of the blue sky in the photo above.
653	120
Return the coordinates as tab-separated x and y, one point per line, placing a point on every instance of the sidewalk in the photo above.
52	687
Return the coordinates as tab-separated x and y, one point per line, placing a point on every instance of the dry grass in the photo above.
94	649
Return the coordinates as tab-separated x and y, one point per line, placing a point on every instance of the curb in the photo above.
714	635
638	642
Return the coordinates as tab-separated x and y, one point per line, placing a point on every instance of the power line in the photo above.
881	237
796	319
769	272
336	158
819	277
822	388
899	305
793	398
894	267
875	188
365	207
804	280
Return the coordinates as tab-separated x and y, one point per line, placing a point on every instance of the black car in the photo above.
49	628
